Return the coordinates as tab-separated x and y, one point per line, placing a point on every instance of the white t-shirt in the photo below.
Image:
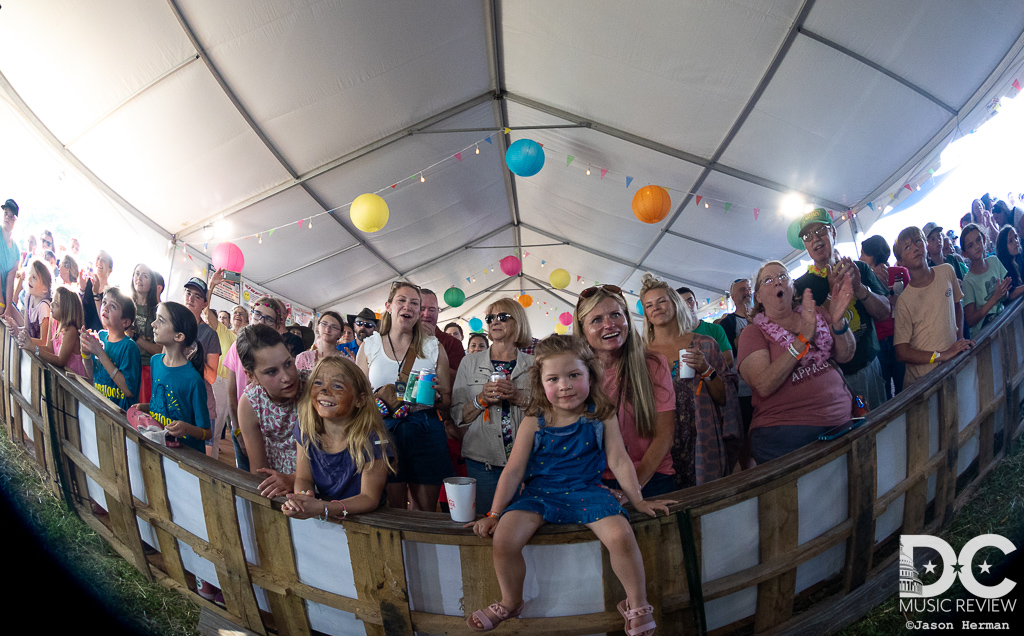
383	370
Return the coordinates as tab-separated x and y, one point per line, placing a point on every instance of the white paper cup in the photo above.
685	370
461	492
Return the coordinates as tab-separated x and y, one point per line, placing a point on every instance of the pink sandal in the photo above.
498	611
646	628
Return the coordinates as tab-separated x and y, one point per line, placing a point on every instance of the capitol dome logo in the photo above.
910	580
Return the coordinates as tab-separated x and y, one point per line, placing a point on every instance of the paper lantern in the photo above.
560	329
369	212
651	204
565	318
454	297
559	279
475	324
525	300
524	158
639	308
228	256
511	266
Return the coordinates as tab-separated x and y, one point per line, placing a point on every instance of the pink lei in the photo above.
821	345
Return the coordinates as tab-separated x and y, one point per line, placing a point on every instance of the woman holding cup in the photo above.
638	381
490	395
708	428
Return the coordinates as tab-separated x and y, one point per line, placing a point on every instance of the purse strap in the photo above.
407	362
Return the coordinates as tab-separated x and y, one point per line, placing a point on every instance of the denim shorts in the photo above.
421	447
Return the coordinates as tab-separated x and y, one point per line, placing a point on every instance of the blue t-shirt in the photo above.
179	393
125	355
10	258
334	474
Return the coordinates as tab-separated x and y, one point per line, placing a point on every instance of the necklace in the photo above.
394	352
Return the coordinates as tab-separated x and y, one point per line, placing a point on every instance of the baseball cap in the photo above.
796	228
930	227
10	205
198	284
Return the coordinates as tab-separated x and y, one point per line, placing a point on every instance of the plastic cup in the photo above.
461	493
685	370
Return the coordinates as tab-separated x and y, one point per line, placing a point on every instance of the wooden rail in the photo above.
744	551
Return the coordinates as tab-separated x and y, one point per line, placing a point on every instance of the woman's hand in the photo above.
489	394
506	389
842	294
484	527
695	358
651	507
276	484
302	506
808	321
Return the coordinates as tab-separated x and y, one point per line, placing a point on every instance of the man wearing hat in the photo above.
364	324
10	258
870	301
933	248
196	291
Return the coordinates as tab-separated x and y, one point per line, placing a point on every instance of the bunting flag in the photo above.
629	180
301	221
908	187
394	185
467	279
832	215
604	171
488	140
892	196
756	212
871	206
568	160
527	254
579	278
508	131
1016	84
270	234
727	206
698	199
458	156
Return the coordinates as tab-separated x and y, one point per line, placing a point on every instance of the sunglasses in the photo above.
503	317
590	291
363	323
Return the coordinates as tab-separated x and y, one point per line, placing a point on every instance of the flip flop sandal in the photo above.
645	628
498	611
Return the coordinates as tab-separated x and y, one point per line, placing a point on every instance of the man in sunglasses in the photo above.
870	302
363	324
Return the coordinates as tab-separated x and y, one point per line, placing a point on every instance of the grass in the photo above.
996	507
81	561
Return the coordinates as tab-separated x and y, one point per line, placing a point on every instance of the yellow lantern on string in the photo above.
561	329
369	212
559	279
525	300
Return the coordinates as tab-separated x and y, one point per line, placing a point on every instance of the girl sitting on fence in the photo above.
64	348
113	363
37	305
268	410
343	450
561	451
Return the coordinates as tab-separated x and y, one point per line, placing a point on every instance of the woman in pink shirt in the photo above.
639	381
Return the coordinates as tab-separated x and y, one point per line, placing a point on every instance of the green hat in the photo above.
796	228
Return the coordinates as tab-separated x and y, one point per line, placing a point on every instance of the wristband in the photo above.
324	518
37	351
479	404
491	513
801	338
935	356
344	510
846	327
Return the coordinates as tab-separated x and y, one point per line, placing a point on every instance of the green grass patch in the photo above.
144	606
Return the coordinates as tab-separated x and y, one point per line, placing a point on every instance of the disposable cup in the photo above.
685	370
461	493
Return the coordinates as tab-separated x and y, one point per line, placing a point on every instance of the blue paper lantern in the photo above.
475	324
525	158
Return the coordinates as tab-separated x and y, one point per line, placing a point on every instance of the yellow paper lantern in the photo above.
560	329
369	212
559	279
651	204
526	300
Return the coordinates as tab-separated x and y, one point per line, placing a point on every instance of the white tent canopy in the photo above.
267	113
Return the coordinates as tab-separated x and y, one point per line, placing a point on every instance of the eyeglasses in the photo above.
780	279
264	318
363	323
503	317
328	326
810	235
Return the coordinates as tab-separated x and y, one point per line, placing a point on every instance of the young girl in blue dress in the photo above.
343	452
559	453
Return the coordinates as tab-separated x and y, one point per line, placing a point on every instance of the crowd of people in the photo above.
560	430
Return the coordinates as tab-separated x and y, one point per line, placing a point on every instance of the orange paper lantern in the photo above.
651	204
526	300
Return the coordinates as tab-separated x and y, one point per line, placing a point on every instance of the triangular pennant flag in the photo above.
604	171
579	278
871	206
467	279
1016	84
488	140
568	160
727	206
508	131
629	180
394	185
892	196
908	187
526	253
206	245
756	212
458	156
540	144
698	199
301	221
270	234
832	215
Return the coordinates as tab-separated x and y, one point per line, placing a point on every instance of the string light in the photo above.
706	206
310	224
422	180
588	171
477	149
260	237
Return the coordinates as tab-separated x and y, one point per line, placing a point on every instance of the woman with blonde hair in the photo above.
708	429
639	383
399	347
490	396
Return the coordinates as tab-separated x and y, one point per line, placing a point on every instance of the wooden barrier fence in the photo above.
747	550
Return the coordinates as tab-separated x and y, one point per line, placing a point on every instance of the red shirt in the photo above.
453	348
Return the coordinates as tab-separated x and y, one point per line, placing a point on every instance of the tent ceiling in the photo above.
270	113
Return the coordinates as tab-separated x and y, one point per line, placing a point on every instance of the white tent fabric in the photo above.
267	113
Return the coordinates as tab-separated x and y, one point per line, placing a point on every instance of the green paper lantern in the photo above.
454	297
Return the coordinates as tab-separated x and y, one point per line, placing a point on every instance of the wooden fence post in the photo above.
273	540
378	566
862	470
779	526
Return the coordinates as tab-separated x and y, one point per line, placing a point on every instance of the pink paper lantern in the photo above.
565	318
511	266
228	256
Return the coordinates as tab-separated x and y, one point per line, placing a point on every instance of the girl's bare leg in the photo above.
624	554
511	535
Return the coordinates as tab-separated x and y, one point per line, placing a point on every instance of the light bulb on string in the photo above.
260	237
310	224
706	206
477	148
422	180
588	171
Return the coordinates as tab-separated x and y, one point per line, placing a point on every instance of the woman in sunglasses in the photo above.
417	429
638	381
490	395
785	356
329	329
